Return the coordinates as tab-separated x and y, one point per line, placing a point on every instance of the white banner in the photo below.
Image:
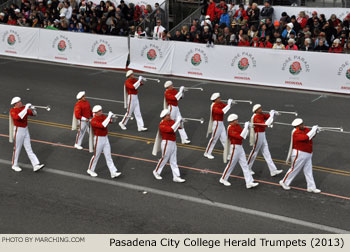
339	12
154	56
19	42
280	68
83	49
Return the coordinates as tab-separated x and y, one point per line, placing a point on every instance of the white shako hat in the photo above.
232	117
15	100
256	107
80	95
96	108
214	96
168	84
128	73
164	113
297	122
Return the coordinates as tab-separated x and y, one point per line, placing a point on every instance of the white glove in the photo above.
272	113
245	131
180	93
182	88
23	113
84	119
28	106
34	111
176	124
312	132
107	120
138	83
229	102
140	78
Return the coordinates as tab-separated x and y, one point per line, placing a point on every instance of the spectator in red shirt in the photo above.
240	13
244	41
11	21
336	47
291	45
255	42
265	42
302	20
211	10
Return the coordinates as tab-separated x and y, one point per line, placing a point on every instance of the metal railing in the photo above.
187	21
150	21
7	3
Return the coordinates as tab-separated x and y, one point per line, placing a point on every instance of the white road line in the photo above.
102	99
254	86
321	96
187	198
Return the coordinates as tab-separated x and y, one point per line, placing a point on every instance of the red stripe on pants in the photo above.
93	158
284	180
14	147
212	138
161	160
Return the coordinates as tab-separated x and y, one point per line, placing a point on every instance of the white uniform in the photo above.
300	161
169	151
175	113
101	143
261	143
22	138
237	155
218	131
133	107
82	129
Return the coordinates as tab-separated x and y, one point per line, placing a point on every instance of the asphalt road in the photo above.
64	199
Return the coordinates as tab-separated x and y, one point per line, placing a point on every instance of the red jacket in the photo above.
217	113
166	131
338	49
302	22
260	118
234	133
82	108
17	121
301	140
243	43
97	127
266	45
129	85
243	13
170	97
211	11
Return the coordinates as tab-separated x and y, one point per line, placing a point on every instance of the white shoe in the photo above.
284	186
276	172
38	167
122	126
314	190
16	168
142	129
78	147
209	156
186	141
156	175
251	185
91	173
178	180
115	174
225	182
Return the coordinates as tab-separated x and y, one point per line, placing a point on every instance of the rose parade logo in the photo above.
243	64
61	46
295	68
101	50
347	74
11	40
196	59
151	54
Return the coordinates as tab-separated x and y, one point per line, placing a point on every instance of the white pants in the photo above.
22	137
174	113
101	143
133	108
218	132
261	143
238	155
300	161
83	127
169	150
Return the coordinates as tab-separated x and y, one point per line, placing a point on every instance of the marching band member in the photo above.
171	98
234	142
258	139
166	141
99	125
216	125
300	154
19	133
131	101
82	113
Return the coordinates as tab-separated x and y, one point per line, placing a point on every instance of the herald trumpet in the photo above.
320	128
284	112
150	79
119	115
201	120
239	101
190	88
48	107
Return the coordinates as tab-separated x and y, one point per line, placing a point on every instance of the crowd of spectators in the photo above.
224	24
220	23
82	16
